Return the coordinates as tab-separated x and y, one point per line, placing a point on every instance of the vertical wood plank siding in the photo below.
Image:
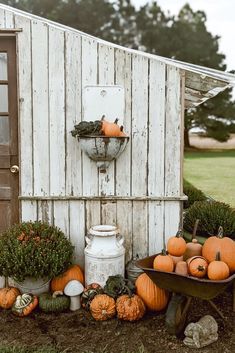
54	65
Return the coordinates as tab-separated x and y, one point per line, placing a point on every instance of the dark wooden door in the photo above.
9	176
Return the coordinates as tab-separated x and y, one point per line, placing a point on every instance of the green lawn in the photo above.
213	172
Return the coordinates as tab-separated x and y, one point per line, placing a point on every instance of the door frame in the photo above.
8	43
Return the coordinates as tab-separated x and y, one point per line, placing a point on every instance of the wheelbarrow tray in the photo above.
186	285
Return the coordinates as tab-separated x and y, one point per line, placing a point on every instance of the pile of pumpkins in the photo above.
127	304
117	298
214	260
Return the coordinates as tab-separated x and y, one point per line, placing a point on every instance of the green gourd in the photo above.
53	303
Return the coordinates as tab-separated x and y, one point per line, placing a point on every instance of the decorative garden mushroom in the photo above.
73	289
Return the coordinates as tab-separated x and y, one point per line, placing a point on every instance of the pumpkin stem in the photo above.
164	252
217	256
102	118
220	232
116	121
179	233
201	268
195	229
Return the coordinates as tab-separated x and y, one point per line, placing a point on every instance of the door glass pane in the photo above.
3	66
4	130
3	98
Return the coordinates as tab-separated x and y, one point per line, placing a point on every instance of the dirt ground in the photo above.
209	143
77	332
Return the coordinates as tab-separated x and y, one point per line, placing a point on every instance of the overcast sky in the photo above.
220	20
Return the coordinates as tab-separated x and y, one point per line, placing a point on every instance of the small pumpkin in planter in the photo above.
163	262
193	248
103	307
24	304
74	272
222	244
130	308
110	129
89	293
176	245
154	298
53	303
197	266
217	269
8	297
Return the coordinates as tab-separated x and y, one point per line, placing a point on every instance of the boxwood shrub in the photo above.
193	194
211	214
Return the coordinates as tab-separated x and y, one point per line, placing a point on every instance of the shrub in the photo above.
193	194
34	249
211	214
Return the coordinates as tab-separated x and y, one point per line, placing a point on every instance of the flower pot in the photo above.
31	285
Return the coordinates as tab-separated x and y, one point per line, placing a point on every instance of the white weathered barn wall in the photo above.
141	191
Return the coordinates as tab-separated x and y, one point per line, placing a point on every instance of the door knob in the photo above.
14	169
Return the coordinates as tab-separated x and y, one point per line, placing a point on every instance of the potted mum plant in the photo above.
31	253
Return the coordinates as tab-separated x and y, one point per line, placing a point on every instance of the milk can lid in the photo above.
104	230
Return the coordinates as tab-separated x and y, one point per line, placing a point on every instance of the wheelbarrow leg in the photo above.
176	314
216	309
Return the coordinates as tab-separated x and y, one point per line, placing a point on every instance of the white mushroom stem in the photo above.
75	303
73	289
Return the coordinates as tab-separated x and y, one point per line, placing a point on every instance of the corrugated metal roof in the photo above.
201	83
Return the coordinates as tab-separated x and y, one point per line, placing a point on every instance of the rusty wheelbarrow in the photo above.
184	289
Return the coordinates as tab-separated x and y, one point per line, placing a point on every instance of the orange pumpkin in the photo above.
176	245
154	298
224	245
110	129
193	248
74	272
130	308
176	259
197	266
8	296
103	307
181	268
217	269
163	262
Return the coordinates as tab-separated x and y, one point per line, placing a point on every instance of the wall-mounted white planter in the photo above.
102	149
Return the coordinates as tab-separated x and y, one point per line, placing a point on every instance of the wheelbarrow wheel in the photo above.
176	314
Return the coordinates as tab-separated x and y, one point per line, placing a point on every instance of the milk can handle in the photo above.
88	240
120	239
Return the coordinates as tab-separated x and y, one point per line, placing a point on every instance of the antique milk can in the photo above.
104	254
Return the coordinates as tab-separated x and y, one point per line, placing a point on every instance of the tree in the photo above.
186	38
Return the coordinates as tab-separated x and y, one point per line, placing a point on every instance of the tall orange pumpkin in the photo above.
224	245
163	262
154	298
8	296
74	272
176	245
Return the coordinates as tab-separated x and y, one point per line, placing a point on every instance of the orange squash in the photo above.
217	269
103	307
130	308
197	266
74	272
163	262
222	244
8	296
154	298
176	245
176	259
193	248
